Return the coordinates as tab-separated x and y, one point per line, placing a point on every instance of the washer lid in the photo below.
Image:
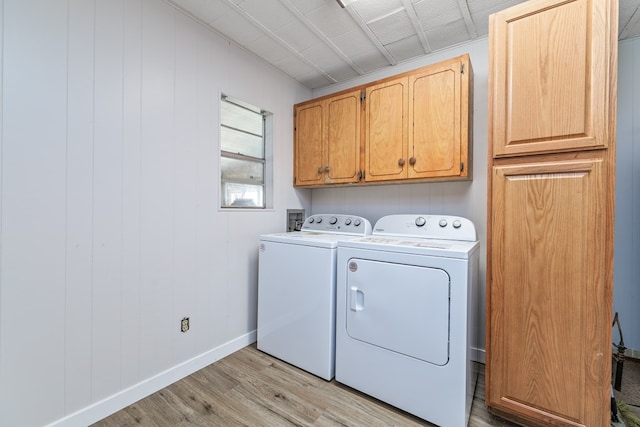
432	247
307	238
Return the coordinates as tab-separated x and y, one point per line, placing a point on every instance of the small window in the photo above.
244	143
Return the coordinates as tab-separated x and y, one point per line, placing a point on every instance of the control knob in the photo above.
443	222
347	221
311	220
457	223
333	220
319	220
420	221
357	223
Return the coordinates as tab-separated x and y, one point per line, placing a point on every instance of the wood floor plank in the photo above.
251	388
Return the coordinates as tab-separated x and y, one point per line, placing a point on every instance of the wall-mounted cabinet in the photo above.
414	126
327	140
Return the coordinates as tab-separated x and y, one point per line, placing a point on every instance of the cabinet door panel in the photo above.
343	141
386	131
549	77
308	144
548	314
434	131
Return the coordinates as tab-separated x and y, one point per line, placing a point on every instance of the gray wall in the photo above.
110	230
627	232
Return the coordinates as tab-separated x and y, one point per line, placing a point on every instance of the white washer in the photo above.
297	291
406	315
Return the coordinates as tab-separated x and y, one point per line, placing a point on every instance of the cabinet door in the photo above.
386	130
550	76
309	133
550	304
343	138
435	124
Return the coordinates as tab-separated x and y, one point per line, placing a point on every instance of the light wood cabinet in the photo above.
415	126
440	117
551	211
551	74
327	140
386	130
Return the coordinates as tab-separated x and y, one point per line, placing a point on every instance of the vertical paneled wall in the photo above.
110	230
626	292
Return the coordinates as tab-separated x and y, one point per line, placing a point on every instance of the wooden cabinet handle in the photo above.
401	162
320	170
412	160
326	169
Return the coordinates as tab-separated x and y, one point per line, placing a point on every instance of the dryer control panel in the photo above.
441	227
338	223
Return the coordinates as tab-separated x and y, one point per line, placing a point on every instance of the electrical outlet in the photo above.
184	324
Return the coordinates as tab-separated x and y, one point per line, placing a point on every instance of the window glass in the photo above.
243	148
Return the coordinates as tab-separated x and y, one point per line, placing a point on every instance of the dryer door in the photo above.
401	308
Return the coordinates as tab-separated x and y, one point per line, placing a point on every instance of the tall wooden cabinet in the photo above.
552	102
413	126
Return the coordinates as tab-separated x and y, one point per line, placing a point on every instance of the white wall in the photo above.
467	199
627	232
110	230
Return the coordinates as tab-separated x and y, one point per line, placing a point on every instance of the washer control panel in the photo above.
442	227
338	223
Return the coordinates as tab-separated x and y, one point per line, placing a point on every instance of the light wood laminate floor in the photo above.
251	388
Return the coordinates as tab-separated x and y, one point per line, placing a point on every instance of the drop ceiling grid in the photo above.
319	43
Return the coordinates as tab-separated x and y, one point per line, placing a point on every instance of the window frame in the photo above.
266	161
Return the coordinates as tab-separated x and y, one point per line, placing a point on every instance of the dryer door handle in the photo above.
356	299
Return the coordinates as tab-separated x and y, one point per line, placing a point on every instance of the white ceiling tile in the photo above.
447	35
476	6
297	35
272	14
481	22
393	27
295	67
370	61
306	6
372	10
314	80
268	49
341	72
409	47
320	54
331	19
353	43
204	10
629	17
432	13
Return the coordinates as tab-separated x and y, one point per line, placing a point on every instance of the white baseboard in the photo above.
124	398
478	355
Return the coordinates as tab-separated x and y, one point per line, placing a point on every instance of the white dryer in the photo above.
406	299
297	291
